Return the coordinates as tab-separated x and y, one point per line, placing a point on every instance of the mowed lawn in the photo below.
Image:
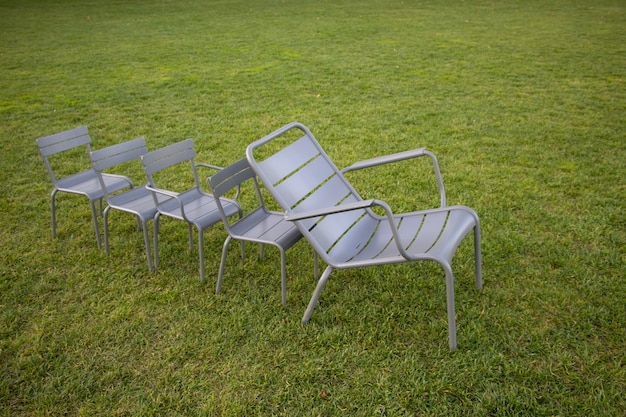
523	102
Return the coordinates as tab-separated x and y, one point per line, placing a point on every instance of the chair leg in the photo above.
105	220
190	233
450	305
478	258
242	245
201	253
95	223
283	276
220	274
155	237
53	212
316	294
315	265
146	241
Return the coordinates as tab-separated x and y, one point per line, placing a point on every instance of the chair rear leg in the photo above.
105	220
53	212
283	276
316	294
478	258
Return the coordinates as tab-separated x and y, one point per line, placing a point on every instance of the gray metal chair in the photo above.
258	224
84	182
342	227
194	206
138	201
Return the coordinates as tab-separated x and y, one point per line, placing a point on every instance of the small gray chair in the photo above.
84	182
138	201
342	227
258	224
193	206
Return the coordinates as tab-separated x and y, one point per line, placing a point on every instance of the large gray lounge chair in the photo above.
343	228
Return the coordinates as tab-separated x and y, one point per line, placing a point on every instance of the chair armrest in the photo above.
401	156
385	159
161	191
122	177
331	210
167	193
203	165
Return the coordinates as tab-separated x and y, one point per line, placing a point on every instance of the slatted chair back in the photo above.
162	159
303	178
62	142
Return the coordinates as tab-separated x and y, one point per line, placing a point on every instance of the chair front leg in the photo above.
190	233
201	253
155	237
146	241
450	305
316	294
95	223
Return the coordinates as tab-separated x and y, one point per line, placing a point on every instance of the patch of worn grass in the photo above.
524	104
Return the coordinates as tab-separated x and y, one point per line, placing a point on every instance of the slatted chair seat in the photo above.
342	227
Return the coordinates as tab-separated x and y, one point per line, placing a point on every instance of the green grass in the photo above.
523	102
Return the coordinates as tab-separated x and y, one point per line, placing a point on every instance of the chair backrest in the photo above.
168	156
104	159
61	142
230	179
301	177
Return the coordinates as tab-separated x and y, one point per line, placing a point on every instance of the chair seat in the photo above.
416	233
86	183
200	209
137	200
261	225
